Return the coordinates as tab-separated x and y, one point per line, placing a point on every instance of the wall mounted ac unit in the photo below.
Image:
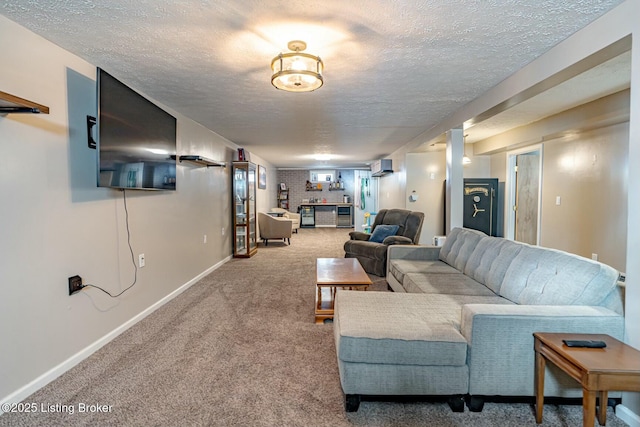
381	167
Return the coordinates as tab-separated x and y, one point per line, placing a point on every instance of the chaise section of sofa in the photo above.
403	347
491	292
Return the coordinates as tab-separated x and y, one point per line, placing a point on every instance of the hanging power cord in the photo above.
133	259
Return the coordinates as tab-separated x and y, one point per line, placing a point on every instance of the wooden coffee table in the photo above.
334	273
598	370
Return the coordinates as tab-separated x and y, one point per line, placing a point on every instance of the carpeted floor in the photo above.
241	348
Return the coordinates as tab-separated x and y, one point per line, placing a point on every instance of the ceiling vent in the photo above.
381	167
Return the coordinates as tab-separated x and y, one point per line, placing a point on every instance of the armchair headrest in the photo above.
409	222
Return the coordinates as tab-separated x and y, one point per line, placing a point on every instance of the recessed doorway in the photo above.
524	185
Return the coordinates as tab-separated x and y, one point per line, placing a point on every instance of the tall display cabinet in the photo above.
245	240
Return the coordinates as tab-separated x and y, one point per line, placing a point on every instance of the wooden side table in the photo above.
598	370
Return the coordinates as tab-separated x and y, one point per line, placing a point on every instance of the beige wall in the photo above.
55	223
498	166
589	174
426	174
392	188
632	309
587	170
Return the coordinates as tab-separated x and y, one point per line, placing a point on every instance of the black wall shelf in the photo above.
202	161
14	104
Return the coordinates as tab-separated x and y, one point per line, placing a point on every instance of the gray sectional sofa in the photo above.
460	320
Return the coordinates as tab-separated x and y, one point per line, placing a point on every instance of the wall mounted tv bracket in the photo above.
91	122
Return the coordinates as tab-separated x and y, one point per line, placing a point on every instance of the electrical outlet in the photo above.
223	231
75	284
204	239
141	261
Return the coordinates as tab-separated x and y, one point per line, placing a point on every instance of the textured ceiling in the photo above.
392	69
604	79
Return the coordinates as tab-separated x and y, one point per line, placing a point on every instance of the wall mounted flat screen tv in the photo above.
136	139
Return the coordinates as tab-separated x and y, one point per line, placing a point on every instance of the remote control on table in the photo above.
585	343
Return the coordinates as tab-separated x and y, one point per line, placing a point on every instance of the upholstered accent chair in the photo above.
272	227
294	217
391	227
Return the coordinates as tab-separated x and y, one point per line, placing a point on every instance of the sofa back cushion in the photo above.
459	246
490	260
541	276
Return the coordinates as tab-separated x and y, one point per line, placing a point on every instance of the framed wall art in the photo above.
262	177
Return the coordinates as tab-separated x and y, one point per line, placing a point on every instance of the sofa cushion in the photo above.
405	329
399	267
355	248
383	231
547	276
459	246
490	260
435	283
399	328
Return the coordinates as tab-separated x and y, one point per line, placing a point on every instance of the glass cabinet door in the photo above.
245	242
253	239
240	184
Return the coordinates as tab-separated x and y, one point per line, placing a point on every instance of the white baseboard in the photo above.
44	379
628	416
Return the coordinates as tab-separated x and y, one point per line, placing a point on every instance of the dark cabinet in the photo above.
307	216
481	205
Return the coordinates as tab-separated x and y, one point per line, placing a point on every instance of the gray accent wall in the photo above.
296	179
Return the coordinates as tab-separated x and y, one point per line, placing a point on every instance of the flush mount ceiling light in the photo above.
297	71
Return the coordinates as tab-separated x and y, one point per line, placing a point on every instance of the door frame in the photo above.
510	190
358	212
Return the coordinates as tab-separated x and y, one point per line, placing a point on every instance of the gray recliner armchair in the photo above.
371	249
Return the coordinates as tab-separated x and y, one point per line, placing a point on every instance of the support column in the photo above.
455	179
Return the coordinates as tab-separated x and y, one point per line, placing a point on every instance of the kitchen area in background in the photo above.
326	198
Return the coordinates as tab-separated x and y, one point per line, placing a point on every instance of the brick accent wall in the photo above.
296	181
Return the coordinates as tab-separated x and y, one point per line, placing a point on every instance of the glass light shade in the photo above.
297	72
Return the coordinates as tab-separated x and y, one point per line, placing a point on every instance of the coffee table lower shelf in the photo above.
333	274
326	297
